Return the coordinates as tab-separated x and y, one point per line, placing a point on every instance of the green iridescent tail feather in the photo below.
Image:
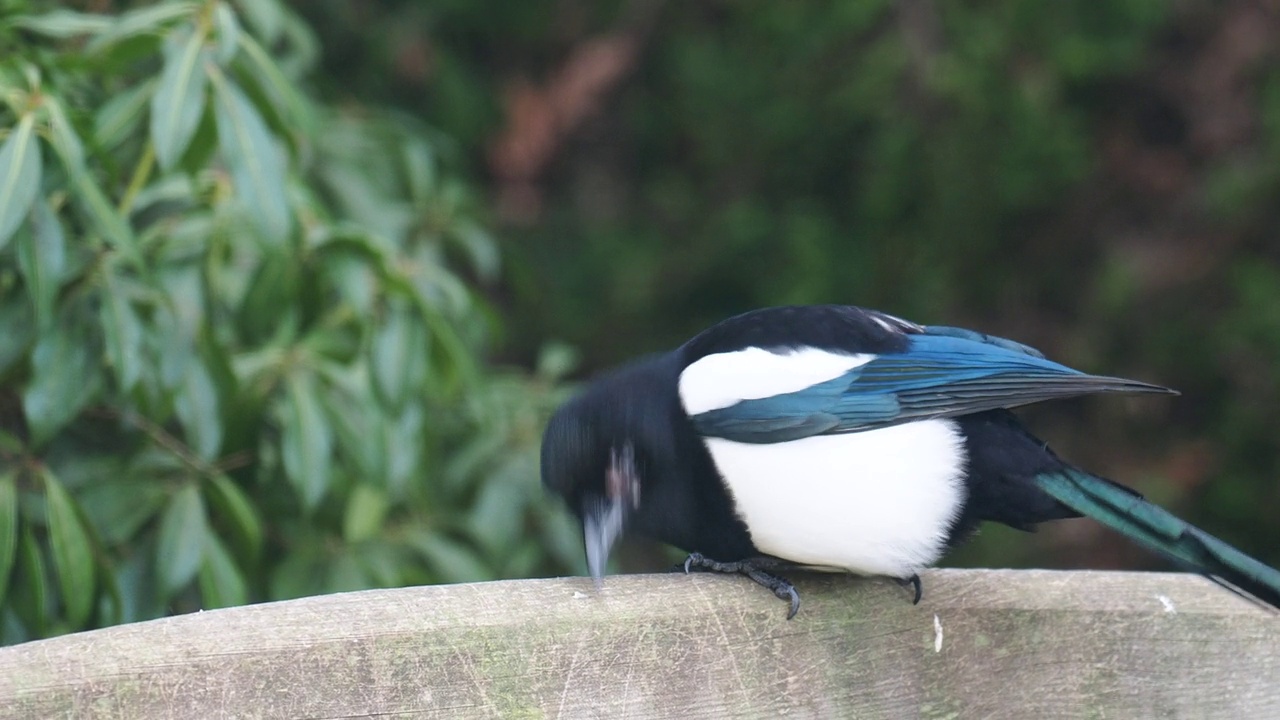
1124	511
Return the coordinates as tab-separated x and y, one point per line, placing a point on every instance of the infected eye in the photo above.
622	479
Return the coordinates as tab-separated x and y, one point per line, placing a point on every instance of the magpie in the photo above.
834	437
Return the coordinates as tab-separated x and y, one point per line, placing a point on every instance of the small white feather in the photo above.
879	502
724	379
884	324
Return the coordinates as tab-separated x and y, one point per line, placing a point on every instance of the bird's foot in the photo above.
757	569
913	581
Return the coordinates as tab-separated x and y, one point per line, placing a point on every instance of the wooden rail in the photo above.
982	644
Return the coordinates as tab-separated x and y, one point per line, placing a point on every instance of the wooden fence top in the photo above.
989	644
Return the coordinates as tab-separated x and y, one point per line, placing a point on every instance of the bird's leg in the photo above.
758	569
913	581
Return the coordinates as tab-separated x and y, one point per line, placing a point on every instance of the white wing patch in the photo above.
879	502
725	379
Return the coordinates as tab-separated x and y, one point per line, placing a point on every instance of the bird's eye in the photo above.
622	479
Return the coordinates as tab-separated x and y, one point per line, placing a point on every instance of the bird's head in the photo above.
601	448
597	475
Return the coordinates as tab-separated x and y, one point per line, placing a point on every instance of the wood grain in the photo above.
982	644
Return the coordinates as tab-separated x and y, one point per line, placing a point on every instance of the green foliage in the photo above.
242	341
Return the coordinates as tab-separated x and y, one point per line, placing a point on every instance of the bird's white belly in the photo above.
879	502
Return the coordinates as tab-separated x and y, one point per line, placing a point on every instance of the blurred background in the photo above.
287	289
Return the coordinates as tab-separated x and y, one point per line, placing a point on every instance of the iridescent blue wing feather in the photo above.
942	372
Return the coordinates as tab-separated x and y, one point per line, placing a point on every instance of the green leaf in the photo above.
86	467
183	538
562	538
175	321
352	277
123	333
332	344
398	357
19	176
265	16
42	258
230	504
72	553
449	561
306	441
256	161
119	115
360	431
291	104
452	346
144	20
221	582
8	529
480	246
135	575
106	219
119	507
420	170
64	136
64	379
304	47
267	307
228	32
29	594
110	600
366	510
404	448
495	519
197	409
179	97
63	23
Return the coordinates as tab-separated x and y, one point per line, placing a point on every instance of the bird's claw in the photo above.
913	581
693	557
788	592
757	570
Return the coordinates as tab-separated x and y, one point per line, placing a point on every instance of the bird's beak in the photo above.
603	518
602	522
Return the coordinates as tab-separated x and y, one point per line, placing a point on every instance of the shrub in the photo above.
242	343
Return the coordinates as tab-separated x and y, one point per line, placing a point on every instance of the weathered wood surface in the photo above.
982	644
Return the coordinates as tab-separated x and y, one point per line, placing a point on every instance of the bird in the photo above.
840	438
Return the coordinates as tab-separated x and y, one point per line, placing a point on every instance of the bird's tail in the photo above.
1126	512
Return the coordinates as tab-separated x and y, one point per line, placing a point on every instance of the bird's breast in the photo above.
880	502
